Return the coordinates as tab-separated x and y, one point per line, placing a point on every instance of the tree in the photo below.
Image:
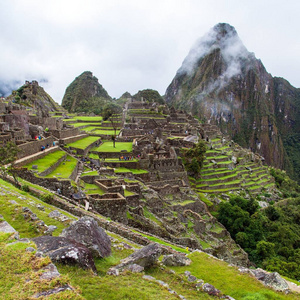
8	154
110	112
193	158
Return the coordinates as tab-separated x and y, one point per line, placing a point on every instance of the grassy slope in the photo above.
47	161
126	286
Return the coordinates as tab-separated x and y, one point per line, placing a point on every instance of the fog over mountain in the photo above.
134	45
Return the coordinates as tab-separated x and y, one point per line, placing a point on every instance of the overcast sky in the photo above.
132	45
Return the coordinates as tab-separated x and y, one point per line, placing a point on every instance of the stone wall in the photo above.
49	183
53	167
75	172
62	134
109	186
34	147
114	208
89	179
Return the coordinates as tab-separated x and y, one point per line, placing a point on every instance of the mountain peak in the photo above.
222	36
224	29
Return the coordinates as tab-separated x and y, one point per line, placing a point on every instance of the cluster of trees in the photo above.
270	236
193	158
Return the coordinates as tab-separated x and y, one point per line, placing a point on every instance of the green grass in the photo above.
228	279
106	132
47	161
83	143
109	147
120	161
133	171
13	213
65	169
90	188
20	277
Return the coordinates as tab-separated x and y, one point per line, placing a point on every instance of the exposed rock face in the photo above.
224	84
176	260
86	231
83	93
33	95
65	251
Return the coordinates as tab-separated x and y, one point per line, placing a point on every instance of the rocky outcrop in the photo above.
86	231
176	260
144	257
224	84
65	251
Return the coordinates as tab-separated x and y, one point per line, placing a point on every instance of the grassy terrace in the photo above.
85	118
133	171
120	161
79	124
65	169
105	131
83	143
47	161
109	147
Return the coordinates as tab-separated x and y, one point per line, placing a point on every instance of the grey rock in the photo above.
52	291
148	277
86	231
65	251
13	202
113	272
40	207
54	214
144	257
7	228
50	272
275	281
134	268
259	274
34	167
210	289
191	278
30	249
162	283
181	297
176	260
50	229
187	273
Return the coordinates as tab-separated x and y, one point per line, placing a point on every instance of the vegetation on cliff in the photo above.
85	94
149	95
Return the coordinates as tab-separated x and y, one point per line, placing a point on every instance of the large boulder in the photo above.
275	281
65	251
144	257
7	228
176	260
86	231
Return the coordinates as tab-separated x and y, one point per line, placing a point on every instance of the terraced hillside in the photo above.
225	171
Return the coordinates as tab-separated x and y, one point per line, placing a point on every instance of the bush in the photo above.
48	198
25	188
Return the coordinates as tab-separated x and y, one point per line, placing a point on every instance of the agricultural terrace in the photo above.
65	169
83	143
79	124
85	118
109	147
46	162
